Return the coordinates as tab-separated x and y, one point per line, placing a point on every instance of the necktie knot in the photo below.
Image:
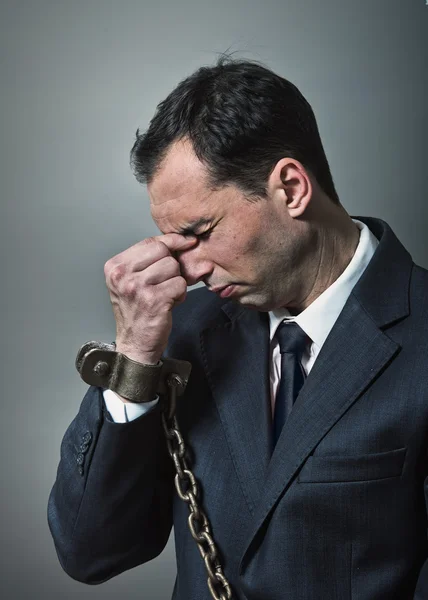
291	338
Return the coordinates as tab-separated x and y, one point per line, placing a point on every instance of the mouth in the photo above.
223	291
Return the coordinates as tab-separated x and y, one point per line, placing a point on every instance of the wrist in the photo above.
144	358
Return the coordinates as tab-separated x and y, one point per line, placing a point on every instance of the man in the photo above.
311	461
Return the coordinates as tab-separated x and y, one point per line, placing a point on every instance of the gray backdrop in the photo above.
77	78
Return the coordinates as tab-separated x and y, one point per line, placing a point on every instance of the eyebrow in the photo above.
194	226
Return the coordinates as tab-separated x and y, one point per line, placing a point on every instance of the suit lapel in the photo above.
237	366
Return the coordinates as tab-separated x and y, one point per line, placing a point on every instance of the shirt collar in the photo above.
319	317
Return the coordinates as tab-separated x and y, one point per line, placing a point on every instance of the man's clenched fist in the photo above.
144	283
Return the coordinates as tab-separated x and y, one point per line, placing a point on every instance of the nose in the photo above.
193	265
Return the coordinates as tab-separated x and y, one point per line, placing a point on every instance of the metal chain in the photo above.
199	525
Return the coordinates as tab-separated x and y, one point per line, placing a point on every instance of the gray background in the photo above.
77	78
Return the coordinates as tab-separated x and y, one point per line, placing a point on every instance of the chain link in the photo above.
198	522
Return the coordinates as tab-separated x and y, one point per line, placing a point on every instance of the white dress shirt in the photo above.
316	321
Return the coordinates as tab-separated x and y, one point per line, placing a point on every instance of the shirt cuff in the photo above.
122	412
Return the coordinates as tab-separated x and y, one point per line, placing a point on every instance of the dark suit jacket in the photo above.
337	513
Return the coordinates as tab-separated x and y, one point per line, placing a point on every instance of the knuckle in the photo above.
117	273
148	240
172	263
161	248
150	297
157	245
108	265
130	288
181	285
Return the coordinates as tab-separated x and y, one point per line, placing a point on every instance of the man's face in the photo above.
253	247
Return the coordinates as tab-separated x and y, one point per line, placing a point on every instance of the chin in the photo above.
259	304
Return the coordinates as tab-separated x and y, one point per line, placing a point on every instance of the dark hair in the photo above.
241	118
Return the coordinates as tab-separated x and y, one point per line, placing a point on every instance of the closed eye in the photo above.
205	235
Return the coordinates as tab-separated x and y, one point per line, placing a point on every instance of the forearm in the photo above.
113	510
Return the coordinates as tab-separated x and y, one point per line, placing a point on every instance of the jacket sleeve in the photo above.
110	508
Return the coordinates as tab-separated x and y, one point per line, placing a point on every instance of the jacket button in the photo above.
84	448
80	459
80	469
86	439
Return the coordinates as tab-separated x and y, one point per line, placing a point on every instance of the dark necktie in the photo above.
292	343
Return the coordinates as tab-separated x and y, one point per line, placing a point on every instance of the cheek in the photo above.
227	253
238	244
239	250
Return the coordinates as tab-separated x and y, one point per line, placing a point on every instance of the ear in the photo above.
289	181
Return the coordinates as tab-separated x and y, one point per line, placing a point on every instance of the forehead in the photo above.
179	191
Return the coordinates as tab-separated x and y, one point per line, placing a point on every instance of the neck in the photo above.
337	238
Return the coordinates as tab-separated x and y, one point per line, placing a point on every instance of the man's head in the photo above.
234	156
